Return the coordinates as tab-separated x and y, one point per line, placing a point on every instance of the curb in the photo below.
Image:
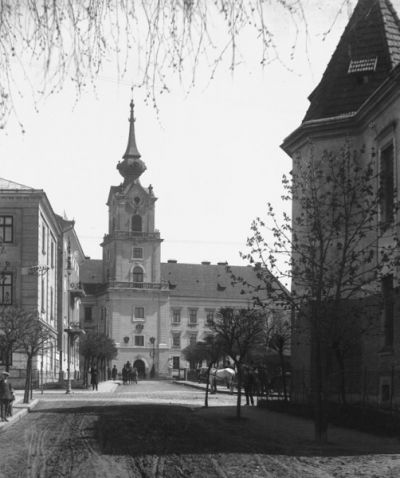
201	387
19	411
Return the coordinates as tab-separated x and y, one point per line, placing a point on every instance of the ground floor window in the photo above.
176	362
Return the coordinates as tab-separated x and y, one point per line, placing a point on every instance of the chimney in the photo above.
172	261
206	263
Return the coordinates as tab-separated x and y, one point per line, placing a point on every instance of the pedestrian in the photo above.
94	380
114	373
248	384
134	374
6	396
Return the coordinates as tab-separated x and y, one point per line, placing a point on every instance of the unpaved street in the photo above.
145	431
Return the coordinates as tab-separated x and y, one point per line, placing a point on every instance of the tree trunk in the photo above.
283	374
320	421
28	379
207	386
340	362
239	395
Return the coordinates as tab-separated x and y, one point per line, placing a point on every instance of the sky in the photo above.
213	155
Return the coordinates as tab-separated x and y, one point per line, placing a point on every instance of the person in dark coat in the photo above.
6	396
114	373
94	379
249	382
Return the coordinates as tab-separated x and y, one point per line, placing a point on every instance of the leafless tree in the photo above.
47	43
240	331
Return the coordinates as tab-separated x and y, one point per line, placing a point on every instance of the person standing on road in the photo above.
248	384
94	378
114	373
6	396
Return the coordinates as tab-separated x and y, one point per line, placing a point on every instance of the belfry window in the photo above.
137	274
137	223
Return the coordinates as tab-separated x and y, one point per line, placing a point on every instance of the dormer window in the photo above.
137	223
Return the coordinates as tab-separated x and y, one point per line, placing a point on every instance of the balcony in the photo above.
139	285
130	235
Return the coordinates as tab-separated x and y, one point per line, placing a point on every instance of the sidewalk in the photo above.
20	409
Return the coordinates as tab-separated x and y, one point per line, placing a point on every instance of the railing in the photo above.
132	235
139	285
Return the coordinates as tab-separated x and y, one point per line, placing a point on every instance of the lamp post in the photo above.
152	355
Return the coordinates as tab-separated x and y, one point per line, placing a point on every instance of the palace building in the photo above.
151	309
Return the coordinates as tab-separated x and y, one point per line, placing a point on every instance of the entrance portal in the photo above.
139	364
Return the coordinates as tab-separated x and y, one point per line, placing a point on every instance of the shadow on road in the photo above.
156	429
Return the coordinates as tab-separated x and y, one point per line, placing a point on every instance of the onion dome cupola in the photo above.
132	167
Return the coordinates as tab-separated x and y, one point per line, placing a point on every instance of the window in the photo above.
387	186
209	317
137	253
137	274
136	223
139	312
176	316
388	309
51	303
6	229
192	339
192	316
52	254
176	363
139	340
42	304
43	240
88	314
176	340
3	357
6	281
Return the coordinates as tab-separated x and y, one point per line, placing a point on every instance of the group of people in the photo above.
129	373
6	397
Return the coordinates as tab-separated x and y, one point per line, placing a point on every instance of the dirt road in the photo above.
146	432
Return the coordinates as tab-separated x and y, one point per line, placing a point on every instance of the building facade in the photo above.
152	310
357	103
33	270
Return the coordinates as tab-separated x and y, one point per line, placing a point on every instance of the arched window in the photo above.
137	223
137	274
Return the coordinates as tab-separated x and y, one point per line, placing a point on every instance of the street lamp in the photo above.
152	355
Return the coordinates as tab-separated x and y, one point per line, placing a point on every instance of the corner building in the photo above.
152	310
358	101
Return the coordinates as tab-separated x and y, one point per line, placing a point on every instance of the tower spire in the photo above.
132	166
131	149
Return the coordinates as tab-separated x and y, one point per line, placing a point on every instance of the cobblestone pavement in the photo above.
113	433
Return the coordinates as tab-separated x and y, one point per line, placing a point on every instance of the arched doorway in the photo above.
139	364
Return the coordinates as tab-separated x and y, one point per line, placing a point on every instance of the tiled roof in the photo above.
367	51
211	281
7	184
188	280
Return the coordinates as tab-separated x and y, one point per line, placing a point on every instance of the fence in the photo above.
372	388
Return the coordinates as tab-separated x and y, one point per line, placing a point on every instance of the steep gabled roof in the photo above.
367	52
7	184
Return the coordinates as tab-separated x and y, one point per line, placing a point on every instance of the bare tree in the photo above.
239	331
12	330
211	350
47	43
331	251
35	339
